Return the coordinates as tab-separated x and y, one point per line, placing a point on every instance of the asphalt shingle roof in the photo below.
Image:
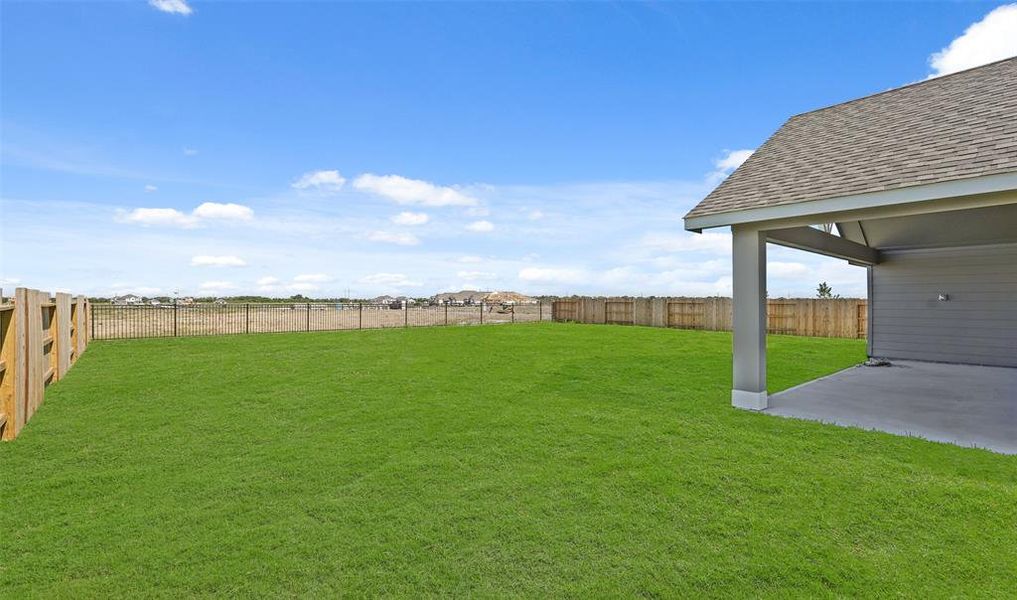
953	127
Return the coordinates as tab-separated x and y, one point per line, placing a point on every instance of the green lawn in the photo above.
527	460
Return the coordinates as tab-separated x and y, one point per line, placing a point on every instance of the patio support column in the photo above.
749	283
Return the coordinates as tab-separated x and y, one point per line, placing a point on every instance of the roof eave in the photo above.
841	207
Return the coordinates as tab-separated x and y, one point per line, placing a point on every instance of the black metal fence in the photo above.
111	321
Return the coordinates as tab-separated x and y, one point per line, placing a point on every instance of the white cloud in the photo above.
301	284
623	238
226	212
536	215
786	269
9	281
711	242
623	278
690	279
302	287
150	188
119	288
190	152
477	211
554	275
412	191
325	181
176	7
394	237
218	286
727	164
410	218
692	267
217	261
269	284
312	278
393	280
475	275
991	39
170	217
481	226
733	160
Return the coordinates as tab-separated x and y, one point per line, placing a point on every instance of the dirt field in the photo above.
115	322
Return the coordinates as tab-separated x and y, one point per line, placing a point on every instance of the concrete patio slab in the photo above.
960	404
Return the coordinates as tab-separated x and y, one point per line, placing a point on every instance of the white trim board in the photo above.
974	191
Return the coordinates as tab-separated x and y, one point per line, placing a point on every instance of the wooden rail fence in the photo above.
816	317
41	336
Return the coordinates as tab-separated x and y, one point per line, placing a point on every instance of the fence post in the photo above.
406	313
175	306
92	337
446	313
481	312
360	325
540	310
39	375
23	359
308	316
13	356
513	309
62	335
247	317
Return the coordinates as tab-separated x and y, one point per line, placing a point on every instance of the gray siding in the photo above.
978	325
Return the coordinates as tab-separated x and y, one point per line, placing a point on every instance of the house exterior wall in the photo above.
976	325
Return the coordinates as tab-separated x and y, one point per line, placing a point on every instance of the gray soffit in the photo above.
976	226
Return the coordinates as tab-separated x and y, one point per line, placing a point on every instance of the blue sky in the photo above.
225	147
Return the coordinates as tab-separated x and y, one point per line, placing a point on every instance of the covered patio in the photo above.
917	185
967	405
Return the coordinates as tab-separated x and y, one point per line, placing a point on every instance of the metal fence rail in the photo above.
145	321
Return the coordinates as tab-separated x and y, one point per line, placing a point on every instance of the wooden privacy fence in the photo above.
40	338
817	317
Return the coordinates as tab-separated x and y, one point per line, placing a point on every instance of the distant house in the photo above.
154	302
472	297
512	298
401	302
128	300
220	301
460	298
381	300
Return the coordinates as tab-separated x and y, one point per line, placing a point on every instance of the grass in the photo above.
530	460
